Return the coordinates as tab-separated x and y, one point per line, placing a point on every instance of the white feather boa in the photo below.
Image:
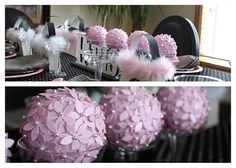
54	44
20	34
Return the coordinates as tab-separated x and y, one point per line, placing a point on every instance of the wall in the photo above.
90	15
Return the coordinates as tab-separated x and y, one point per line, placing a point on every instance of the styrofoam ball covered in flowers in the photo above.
117	38
97	35
143	44
133	117
186	108
64	121
167	47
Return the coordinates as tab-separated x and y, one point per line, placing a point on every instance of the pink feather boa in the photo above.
130	65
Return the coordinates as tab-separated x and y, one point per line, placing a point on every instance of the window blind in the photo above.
217	31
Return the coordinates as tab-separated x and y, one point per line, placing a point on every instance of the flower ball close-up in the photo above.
133	117
186	108
63	125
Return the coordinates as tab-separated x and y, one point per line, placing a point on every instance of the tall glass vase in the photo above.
55	64
25	45
26	48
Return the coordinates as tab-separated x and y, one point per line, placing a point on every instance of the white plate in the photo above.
188	71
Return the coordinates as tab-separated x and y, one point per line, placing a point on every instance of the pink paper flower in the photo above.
133	117
62	121
186	108
8	143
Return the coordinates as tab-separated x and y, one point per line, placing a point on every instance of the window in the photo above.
217	32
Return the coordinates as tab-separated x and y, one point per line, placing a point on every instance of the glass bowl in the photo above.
196	78
29	155
119	154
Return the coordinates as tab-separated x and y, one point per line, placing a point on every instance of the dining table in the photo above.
72	70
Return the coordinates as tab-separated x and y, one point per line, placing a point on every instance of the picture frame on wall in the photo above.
33	11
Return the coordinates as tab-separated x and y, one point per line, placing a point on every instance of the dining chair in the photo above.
184	33
11	16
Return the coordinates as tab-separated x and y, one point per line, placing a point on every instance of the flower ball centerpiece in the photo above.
63	125
97	35
143	44
133	117
117	38
186	108
167	47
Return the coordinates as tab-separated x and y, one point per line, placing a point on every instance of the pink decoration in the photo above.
69	36
143	44
64	121
167	47
133	117
186	108
131	65
97	35
117	38
8	144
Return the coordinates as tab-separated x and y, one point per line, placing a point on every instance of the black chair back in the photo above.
11	16
184	33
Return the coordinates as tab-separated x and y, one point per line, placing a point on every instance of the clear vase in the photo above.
26	48
98	71
55	64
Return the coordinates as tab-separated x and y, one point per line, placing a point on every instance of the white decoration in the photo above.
110	69
22	39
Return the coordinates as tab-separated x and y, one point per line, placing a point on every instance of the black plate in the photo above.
20	72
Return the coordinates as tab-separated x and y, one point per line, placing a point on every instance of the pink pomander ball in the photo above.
63	125
143	44
97	35
186	108
133	117
167	47
117	38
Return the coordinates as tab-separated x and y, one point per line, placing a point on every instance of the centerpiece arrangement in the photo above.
62	125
